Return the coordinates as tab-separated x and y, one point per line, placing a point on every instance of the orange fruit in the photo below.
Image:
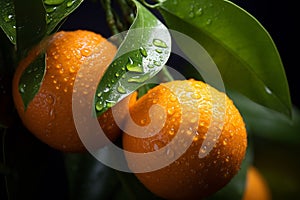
49	114
198	171
256	186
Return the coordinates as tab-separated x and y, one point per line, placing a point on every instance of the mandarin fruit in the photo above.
202	136
256	186
49	115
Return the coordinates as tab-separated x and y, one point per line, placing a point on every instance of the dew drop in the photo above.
50	9
133	66
8	18
53	2
208	22
143	51
138	79
196	96
191	14
150	66
170	153
157	63
99	94
225	142
227	159
199	12
202	150
85	52
49	99
171	110
22	88
106	89
48	19
171	131
158	50
268	90
99	105
159	43
70	3
143	121
173	98
110	103
121	89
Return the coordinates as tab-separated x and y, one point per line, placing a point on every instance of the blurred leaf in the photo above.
89	179
57	10
243	50
31	79
142	54
30	24
7	19
266	123
132	188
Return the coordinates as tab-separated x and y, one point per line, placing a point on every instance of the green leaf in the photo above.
7	19
30	24
243	50
132	188
31	79
266	123
37	17
57	10
142	54
89	179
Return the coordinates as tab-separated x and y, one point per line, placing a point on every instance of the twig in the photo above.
106	4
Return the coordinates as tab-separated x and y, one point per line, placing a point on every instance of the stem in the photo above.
165	75
127	11
106	4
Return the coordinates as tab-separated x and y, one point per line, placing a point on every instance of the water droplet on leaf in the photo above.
121	89
159	43
143	51
99	105
138	79
133	66
70	3
53	2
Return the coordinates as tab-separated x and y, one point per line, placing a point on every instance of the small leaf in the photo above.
243	50
142	54
57	10
7	19
31	79
30	24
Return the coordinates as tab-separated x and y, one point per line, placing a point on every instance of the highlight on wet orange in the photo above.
256	187
49	115
190	176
